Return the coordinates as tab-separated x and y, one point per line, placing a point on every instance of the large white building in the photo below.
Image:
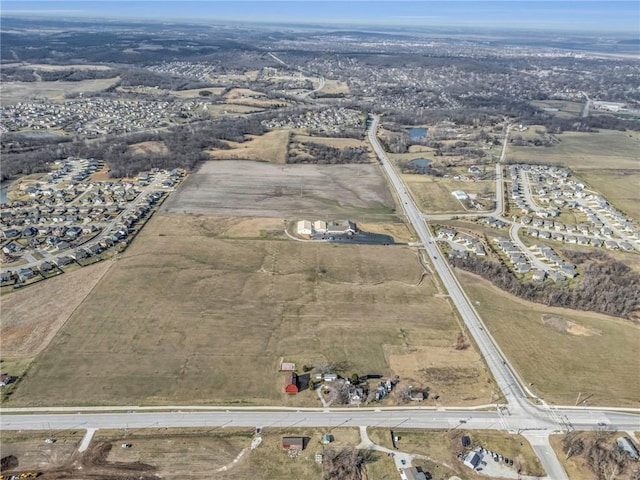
304	227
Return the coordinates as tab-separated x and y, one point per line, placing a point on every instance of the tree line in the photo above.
606	285
326	154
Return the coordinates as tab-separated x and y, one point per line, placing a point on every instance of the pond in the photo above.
417	134
4	187
421	162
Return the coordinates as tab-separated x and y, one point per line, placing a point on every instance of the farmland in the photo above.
247	188
576	150
14	92
578	355
187	312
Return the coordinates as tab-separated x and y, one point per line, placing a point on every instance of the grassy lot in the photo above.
600	360
433	195
14	92
183	314
246	188
442	448
602	150
270	147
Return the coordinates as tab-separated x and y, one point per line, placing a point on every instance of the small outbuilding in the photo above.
291	383
293	443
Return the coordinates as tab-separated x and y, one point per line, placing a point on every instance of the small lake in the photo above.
417	134
4	187
421	162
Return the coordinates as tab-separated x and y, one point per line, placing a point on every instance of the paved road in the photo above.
514	391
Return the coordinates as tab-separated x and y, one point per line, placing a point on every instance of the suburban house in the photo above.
626	445
472	460
293	443
412	473
291	383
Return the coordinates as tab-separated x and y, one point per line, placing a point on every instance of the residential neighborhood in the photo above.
66	219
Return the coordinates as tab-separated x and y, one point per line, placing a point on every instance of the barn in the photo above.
291	383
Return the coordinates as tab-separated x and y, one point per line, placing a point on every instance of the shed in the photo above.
466	441
291	383
293	443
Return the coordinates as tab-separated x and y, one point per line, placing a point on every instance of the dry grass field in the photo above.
600	363
441	447
331	141
333	87
195	93
270	147
603	150
14	92
433	194
620	187
185	453
32	316
187	316
246	188
221	109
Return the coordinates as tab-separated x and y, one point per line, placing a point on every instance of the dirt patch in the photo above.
563	325
146	148
31	317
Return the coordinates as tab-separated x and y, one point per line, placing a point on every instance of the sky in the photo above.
576	15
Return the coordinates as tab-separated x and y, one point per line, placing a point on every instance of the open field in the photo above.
56	68
186	453
270	147
195	93
433	194
245	188
32	316
619	187
334	87
331	141
442	448
603	150
219	109
14	92
186	317
565	108
601	364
